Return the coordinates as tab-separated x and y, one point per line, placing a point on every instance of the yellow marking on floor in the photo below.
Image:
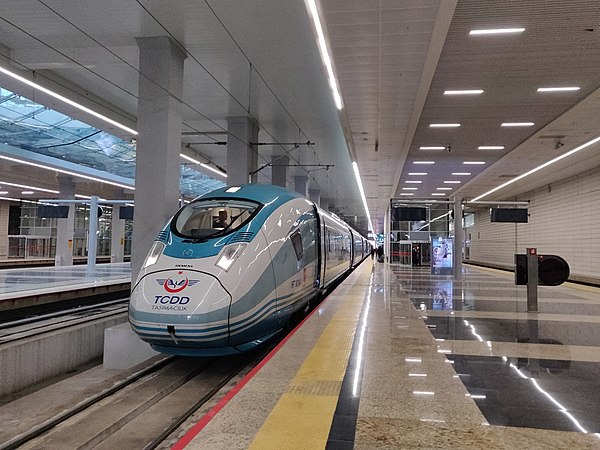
303	415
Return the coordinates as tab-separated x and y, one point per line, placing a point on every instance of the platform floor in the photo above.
15	283
398	358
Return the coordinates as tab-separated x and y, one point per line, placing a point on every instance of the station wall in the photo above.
564	219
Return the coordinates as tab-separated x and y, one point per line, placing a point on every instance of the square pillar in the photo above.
242	158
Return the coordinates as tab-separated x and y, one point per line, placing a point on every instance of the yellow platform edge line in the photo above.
303	420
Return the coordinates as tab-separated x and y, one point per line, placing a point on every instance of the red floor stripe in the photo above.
193	432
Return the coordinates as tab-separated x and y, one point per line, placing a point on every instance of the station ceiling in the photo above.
393	62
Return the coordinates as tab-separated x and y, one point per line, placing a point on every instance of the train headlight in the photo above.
228	256
155	252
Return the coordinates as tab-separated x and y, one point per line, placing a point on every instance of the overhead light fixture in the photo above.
3	192
362	194
432	148
27	192
452	182
67	101
423	162
217	171
558	89
314	12
444	125
190	159
67	172
490	147
540	167
475	163
461	173
24	186
417	173
413	181
464	92
409	189
497	31
444	189
437	193
517	124
406	193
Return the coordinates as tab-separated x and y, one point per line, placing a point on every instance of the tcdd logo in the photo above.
173	286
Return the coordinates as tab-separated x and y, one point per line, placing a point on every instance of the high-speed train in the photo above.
230	268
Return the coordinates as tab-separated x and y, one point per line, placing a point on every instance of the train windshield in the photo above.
213	218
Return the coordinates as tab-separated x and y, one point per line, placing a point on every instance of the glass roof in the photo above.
30	126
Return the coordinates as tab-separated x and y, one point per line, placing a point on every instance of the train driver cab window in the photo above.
297	243
212	217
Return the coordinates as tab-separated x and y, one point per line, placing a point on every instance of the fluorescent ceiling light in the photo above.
314	12
67	101
437	193
406	193
432	148
464	92
497	31
417	173
3	192
540	167
452	182
423	162
474	162
461	173
67	172
517	124
490	147
413	181
558	89
409	189
362	194
444	189
24	186
206	166
444	125
188	158
26	192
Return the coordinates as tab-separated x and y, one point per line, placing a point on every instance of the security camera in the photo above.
449	148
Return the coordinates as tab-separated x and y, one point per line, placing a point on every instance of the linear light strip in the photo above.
190	159
490	147
67	172
517	124
444	125
558	89
67	101
540	167
497	31
217	171
24	186
325	53
362	194
464	92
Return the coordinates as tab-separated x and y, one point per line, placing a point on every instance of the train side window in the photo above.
297	243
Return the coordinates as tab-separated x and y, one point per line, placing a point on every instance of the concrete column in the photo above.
242	158
65	227
158	144
301	184
279	170
314	195
4	216
458	239
117	236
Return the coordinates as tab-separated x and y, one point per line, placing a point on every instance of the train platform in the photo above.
398	358
32	286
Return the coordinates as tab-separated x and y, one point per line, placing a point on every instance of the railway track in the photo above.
45	323
140	411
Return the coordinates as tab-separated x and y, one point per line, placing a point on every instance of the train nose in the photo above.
180	308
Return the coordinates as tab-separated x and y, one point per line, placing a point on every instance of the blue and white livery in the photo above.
230	268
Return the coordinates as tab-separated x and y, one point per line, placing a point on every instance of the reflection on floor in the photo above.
462	364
